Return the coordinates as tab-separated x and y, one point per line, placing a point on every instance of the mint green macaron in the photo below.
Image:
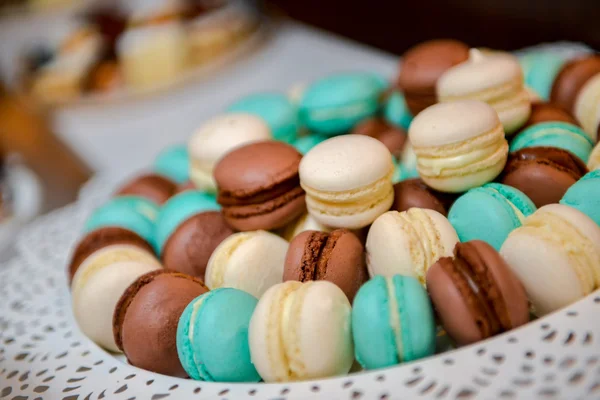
395	110
174	163
584	195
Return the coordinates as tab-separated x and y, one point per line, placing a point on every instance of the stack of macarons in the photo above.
352	221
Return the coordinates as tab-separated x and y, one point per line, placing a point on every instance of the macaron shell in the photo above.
548	112
392	137
154	187
584	196
306	222
571	78
185	351
173	163
594	160
540	70
587	107
414	193
396	112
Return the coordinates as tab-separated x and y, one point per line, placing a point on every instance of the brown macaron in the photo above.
414	193
337	257
422	66
100	238
476	294
548	112
146	317
189	248
571	79
391	136
150	186
543	173
259	186
189	185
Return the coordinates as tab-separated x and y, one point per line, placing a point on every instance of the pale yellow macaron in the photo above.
306	222
459	145
348	181
218	136
556	255
495	78
99	283
594	160
587	107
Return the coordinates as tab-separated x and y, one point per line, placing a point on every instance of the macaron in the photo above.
215	138
305	223
392	322
543	173
99	283
540	69
489	213
572	77
395	110
250	261
134	213
459	145
555	134
413	193
334	104
587	107
560	244
392	137
584	195
146	317
304	143
476	294
258	186
275	109
495	78
179	209
99	239
594	160
153	187
406	167
422	65
548	112
348	181
408	243
173	163
337	257
212	337
301	331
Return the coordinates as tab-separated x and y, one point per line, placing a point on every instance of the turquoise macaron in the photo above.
555	134
135	213
178	209
334	104
540	69
276	109
395	110
489	213
584	195
304	143
212	337
174	163
392	322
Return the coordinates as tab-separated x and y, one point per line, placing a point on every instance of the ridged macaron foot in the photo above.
495	78
392	322
301	331
408	243
212	337
337	257
572	78
99	239
414	193
489	213
560	244
348	181
421	67
548	112
259	186
275	109
145	319
476	294
392	137
458	145
334	104
555	134
99	283
154	187
173	163
543	173
134	213
218	136
584	195
395	110
250	261
594	160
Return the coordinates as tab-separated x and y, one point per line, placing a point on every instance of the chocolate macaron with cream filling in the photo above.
150	186
337	257
146	317
476	294
259	186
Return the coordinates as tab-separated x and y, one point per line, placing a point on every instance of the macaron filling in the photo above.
201	370
395	320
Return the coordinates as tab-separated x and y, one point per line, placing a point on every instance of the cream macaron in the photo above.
459	145
218	136
587	107
495	78
301	331
249	261
348	181
305	223
594	160
99	283
408	242
556	255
